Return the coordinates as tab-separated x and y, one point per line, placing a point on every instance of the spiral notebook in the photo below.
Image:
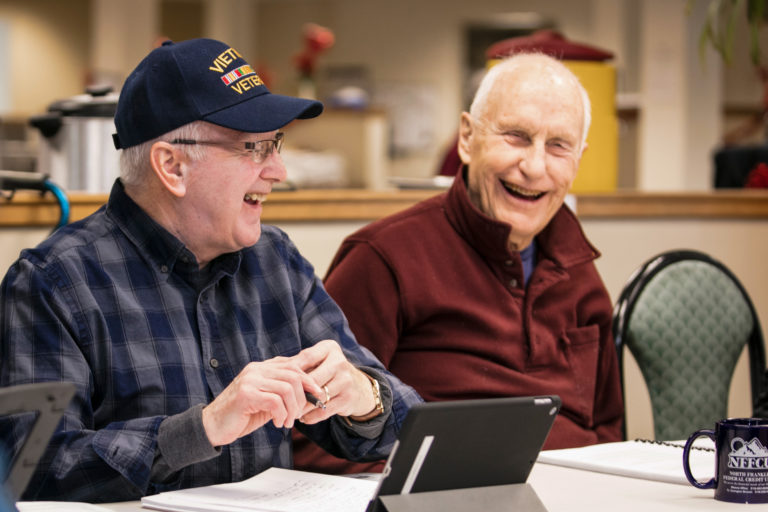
640	458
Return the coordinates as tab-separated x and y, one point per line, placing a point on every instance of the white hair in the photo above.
134	161
511	64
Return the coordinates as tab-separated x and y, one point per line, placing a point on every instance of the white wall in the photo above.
402	42
48	51
405	43
13	240
5	59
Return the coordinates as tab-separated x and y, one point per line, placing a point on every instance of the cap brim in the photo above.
265	113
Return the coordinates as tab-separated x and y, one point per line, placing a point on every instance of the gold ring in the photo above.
327	394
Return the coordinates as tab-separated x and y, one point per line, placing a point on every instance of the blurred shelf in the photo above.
28	209
718	204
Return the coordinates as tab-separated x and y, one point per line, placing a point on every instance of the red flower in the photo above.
758	176
317	39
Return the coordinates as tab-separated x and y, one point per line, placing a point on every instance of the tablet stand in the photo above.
49	400
496	498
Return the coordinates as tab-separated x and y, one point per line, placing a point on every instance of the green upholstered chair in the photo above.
686	318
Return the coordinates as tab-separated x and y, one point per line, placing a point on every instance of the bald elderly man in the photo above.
490	289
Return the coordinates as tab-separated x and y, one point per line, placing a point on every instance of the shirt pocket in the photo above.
583	352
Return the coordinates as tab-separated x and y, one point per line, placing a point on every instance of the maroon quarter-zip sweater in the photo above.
439	298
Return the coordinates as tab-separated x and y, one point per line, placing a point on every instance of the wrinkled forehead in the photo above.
538	81
540	78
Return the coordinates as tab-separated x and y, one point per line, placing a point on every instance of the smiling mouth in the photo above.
521	193
255	198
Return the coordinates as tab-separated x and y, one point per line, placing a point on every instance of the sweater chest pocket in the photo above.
583	351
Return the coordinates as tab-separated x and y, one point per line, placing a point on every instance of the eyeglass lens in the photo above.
261	149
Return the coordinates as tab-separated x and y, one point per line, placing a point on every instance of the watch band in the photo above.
378	408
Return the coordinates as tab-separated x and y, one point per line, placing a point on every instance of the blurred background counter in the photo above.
29	210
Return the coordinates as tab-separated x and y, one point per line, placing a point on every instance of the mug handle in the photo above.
687	464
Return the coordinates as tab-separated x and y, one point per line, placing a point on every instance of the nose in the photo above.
534	161
273	168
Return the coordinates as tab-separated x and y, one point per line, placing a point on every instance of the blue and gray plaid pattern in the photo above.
116	304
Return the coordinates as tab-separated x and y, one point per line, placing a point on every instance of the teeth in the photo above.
521	191
256	197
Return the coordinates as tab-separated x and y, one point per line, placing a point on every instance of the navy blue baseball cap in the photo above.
200	80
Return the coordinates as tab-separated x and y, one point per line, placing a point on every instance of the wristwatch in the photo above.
378	407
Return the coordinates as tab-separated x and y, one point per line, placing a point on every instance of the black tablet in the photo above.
48	401
468	443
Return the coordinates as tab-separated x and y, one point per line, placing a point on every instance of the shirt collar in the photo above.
157	244
561	240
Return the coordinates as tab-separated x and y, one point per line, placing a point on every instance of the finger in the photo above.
286	383
327	362
338	377
275	407
302	381
314	415
278	398
351	393
312	385
307	394
334	395
309	358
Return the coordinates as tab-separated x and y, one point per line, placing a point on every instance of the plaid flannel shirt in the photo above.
117	305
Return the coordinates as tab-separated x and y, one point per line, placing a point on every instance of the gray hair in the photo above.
134	161
509	65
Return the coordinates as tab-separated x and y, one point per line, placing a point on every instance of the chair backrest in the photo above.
686	319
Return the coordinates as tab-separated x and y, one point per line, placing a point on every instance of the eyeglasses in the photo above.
259	150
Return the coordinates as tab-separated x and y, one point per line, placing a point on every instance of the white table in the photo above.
564	489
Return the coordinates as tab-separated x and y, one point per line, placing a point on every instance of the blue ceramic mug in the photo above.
741	452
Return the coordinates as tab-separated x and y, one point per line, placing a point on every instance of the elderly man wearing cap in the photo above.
197	338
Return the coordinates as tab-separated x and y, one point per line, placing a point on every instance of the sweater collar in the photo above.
562	240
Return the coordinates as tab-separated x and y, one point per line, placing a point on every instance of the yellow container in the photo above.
599	168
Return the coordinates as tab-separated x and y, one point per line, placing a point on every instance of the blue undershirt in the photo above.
528	255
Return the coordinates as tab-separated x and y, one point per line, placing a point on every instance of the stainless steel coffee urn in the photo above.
76	149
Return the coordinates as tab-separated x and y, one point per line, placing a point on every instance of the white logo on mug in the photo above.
751	455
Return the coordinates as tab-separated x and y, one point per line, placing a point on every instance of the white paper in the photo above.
274	490
637	459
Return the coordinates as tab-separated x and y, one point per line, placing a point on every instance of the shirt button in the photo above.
214	363
164	269
509	263
513	283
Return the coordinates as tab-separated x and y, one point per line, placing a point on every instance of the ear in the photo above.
581	154
168	164
465	137
583	149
